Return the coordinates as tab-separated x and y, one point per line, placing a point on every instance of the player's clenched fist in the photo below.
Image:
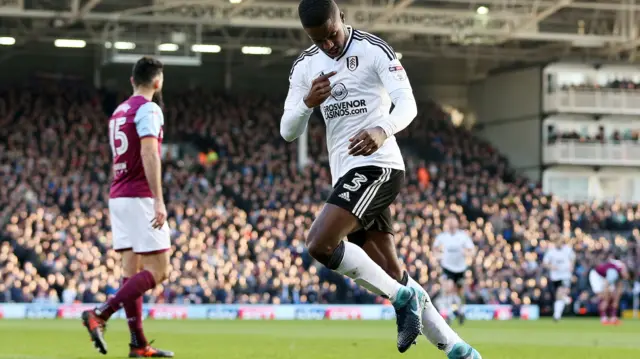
320	90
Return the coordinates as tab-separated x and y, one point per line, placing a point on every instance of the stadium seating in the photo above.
239	223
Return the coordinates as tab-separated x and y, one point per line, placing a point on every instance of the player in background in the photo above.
454	248
606	282
136	208
448	300
354	77
559	260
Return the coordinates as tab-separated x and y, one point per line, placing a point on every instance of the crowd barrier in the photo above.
260	312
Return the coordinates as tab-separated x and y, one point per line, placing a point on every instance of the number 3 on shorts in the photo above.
357	182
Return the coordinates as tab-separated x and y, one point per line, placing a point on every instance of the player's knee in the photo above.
320	251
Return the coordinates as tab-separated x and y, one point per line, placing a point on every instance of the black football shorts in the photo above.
367	192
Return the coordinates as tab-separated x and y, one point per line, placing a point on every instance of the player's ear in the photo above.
131	80
342	16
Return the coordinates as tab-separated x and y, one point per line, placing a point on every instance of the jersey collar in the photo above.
346	47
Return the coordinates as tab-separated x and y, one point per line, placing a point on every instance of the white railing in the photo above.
586	186
593	101
592	154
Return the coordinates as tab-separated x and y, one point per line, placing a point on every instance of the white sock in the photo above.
436	329
558	308
357	265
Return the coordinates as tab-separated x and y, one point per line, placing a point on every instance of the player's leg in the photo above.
123	235
600	289
325	244
562	298
359	195
131	265
154	245
436	330
616	296
459	292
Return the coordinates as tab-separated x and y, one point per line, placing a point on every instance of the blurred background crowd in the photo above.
239	208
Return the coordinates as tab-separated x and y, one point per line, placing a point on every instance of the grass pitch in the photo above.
570	339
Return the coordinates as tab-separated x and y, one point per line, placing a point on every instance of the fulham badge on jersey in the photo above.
352	63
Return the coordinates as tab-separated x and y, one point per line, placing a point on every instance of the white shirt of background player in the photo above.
454	249
560	262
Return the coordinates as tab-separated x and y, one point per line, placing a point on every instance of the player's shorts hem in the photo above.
123	249
157	251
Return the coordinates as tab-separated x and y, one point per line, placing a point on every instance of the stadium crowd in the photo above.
239	223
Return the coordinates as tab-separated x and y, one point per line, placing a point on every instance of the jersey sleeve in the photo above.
389	69
546	260
438	242
149	120
468	243
296	114
298	87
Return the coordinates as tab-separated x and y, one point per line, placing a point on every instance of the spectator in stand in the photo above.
238	223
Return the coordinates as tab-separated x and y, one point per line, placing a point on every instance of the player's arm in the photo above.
437	247
149	122
395	81
546	260
469	248
301	99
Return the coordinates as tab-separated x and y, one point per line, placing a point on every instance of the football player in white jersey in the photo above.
560	261
454	248
353	77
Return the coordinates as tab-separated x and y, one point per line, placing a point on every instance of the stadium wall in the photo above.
260	312
508	110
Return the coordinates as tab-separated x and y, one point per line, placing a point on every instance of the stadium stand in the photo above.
239	221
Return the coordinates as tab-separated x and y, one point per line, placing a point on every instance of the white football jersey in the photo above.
453	248
562	259
366	73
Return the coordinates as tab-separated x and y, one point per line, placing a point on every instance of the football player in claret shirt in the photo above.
354	77
606	281
136	208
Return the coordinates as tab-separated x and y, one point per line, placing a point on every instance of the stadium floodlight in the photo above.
235	1
7	41
256	50
71	43
124	45
168	47
399	55
213	49
482	10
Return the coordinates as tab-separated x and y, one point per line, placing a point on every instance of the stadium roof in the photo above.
479	34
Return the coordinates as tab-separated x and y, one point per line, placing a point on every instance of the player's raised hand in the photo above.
367	142
320	90
160	215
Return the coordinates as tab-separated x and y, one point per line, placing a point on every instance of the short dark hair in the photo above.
315	13
145	70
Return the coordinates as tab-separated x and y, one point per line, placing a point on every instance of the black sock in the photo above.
405	278
336	257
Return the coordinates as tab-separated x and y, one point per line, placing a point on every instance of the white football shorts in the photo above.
599	283
131	226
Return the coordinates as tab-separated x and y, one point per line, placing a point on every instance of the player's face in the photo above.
453	224
330	37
